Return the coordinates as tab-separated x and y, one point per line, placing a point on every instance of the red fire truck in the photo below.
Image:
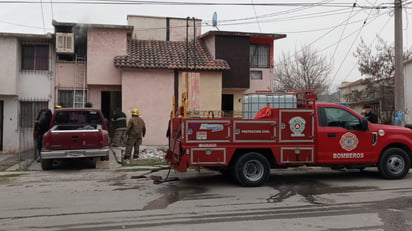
311	134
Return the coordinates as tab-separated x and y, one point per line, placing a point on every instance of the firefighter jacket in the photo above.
136	127
119	120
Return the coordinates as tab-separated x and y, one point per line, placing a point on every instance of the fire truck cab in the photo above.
311	134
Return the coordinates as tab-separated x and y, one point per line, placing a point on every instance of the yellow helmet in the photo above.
135	111
58	107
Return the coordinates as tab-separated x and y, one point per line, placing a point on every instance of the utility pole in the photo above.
399	77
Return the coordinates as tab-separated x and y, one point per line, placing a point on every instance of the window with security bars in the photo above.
259	55
29	110
35	57
72	98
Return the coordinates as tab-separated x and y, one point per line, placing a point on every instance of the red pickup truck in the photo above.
312	134
75	133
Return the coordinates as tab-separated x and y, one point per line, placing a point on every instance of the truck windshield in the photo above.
337	117
78	117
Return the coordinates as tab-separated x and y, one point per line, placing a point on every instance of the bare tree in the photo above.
379	68
305	70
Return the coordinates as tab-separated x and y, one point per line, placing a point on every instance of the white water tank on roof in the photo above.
252	103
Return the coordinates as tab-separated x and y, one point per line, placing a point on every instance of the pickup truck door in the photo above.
340	138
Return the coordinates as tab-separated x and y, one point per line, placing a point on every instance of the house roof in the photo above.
102	26
150	54
244	34
27	36
351	84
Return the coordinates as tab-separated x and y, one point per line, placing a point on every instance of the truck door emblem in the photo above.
297	126
349	141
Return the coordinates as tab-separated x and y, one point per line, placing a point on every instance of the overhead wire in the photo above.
42	16
185	3
257	20
343	32
347	53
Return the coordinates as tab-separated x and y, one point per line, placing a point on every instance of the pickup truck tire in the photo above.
394	163
46	164
251	169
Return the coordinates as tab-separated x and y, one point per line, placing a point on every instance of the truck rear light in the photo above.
46	141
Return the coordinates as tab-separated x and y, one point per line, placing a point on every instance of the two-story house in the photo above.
26	75
156	62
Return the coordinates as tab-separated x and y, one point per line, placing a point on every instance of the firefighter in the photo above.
135	132
119	125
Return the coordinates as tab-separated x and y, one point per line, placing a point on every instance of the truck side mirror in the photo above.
364	124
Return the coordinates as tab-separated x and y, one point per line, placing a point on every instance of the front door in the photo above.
340	138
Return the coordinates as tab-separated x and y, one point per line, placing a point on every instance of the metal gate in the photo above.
27	142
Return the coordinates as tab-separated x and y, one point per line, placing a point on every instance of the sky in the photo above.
334	28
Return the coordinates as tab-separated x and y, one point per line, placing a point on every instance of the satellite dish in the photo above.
214	19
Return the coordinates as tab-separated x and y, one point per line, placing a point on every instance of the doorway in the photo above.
111	100
227	105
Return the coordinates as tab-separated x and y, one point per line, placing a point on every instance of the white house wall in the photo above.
408	93
10	124
35	86
9	65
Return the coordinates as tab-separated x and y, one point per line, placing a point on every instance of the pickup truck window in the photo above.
338	117
77	117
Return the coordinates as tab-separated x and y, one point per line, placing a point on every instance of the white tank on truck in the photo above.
252	103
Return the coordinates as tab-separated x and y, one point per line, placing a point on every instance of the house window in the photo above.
256	75
259	55
35	57
71	98
29	110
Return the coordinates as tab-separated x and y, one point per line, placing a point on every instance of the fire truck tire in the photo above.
394	163
46	164
251	169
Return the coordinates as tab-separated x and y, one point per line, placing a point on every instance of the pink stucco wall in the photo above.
102	46
151	91
264	84
65	74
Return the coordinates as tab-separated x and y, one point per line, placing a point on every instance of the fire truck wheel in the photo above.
251	169
46	164
394	163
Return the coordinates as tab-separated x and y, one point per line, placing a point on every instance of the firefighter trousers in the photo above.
133	142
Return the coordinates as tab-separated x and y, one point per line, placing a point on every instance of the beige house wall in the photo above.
147	28
151	91
178	29
102	46
210	91
155	28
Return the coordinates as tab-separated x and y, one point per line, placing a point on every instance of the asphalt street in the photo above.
74	197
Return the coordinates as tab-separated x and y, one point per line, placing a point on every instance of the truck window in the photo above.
338	117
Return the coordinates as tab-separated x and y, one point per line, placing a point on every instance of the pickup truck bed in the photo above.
75	133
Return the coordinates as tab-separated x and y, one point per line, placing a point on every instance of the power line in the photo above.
343	32
42	16
257	20
346	55
180	3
